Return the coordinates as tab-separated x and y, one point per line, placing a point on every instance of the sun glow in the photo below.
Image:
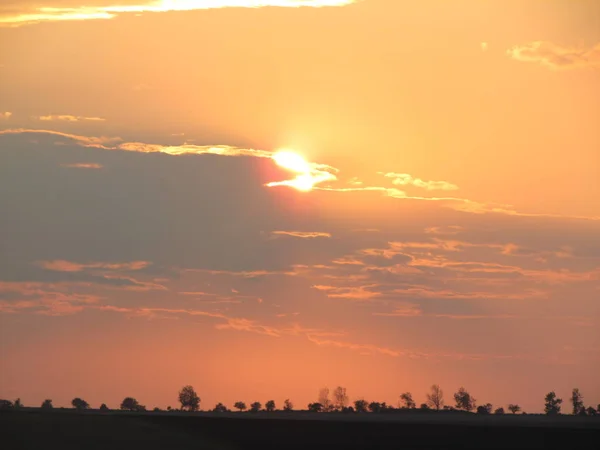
291	161
309	174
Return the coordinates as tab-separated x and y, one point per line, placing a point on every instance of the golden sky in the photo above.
262	198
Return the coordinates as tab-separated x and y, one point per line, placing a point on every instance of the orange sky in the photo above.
151	236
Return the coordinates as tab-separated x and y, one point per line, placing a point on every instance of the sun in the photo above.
291	161
307	174
294	162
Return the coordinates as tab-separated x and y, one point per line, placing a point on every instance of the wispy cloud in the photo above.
85	141
83	166
5	115
363	348
404	179
450	229
308	174
349	293
69	266
51	13
402	309
556	56
225	322
303	234
370	349
69	118
44	298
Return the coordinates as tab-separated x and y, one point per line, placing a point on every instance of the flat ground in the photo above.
64	430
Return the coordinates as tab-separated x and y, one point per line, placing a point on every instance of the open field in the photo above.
230	431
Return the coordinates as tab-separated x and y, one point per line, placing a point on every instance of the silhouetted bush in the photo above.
79	404
361	406
131	404
6	404
189	399
47	404
255	407
315	407
340	398
270	406
407	401
464	400
240	406
288	405
220	407
552	404
513	408
435	399
577	402
484	409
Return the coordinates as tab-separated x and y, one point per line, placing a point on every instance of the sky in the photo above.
264	198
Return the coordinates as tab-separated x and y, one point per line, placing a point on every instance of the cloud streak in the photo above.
83	166
308	174
69	266
69	118
52	13
303	234
555	56
404	179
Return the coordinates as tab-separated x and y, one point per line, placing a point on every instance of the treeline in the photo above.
338	401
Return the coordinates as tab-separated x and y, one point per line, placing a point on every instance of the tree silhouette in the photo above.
17	404
288	405
435	399
103	407
156	409
240	405
6	404
499	411
340	398
255	407
514	408
189	399
552	405
131	404
590	411
577	402
407	400
375	407
79	404
47	404
464	400
361	406
270	406
315	407
324	400
220	407
424	406
485	409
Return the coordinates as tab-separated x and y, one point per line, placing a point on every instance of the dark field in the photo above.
64	430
